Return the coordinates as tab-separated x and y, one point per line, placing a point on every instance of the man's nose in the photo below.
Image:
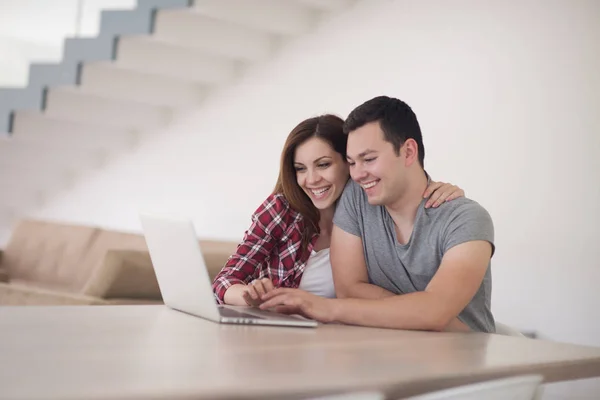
358	173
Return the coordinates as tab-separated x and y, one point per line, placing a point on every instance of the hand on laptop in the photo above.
256	289
297	301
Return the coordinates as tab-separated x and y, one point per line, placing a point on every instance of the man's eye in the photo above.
370	159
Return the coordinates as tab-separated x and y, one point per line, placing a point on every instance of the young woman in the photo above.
287	244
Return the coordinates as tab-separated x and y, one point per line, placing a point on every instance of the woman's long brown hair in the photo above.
327	127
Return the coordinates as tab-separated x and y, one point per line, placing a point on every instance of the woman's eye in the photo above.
299	169
324	165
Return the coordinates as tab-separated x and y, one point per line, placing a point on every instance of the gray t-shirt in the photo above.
409	268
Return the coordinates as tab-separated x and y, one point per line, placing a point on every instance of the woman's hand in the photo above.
250	294
440	192
256	289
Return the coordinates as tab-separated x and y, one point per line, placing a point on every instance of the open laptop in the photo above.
184	281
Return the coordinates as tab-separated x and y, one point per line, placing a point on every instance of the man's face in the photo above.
375	165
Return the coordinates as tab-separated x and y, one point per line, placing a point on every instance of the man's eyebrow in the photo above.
363	154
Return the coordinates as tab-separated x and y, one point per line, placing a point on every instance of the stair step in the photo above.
327	5
42	74
29	98
272	16
99	48
75	104
114	81
192	29
36	129
18	155
124	22
162	4
27	181
146	54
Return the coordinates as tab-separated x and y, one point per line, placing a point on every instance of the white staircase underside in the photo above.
272	16
326	5
145	54
191	52
113	80
77	105
195	30
34	129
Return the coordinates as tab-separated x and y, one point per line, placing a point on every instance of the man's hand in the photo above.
296	301
255	290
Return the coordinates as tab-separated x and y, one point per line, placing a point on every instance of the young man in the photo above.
397	264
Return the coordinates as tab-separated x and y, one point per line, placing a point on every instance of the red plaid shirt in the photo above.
270	248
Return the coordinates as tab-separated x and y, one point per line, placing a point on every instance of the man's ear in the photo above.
411	152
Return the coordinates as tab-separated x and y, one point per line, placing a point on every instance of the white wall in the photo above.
17	54
34	31
507	94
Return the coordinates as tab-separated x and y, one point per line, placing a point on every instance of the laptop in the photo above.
184	281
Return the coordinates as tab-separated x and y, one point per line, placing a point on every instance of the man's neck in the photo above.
404	210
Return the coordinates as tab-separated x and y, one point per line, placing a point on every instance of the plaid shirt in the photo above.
270	248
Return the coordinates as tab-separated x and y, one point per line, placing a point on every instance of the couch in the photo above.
51	263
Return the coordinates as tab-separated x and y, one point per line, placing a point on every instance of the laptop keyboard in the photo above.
229	313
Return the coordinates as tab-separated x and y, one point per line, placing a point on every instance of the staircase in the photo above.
111	91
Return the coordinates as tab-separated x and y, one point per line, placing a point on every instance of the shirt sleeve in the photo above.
245	264
467	223
347	210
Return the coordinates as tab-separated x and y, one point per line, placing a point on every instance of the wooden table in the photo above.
151	352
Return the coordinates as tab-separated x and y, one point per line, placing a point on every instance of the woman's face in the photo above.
320	171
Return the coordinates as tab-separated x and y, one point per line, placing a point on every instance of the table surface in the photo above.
152	352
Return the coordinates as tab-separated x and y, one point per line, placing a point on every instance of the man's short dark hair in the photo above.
396	119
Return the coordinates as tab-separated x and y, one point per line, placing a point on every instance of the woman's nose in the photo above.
313	177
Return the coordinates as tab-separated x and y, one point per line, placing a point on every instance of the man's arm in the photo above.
450	290
350	274
448	293
349	268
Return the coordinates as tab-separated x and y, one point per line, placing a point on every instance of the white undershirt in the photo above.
317	277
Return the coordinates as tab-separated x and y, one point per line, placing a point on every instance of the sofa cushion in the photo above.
48	252
107	240
124	274
4	277
25	293
216	253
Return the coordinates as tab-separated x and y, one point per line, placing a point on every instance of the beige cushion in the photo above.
24	293
107	240
124	274
4	277
216	253
49	252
